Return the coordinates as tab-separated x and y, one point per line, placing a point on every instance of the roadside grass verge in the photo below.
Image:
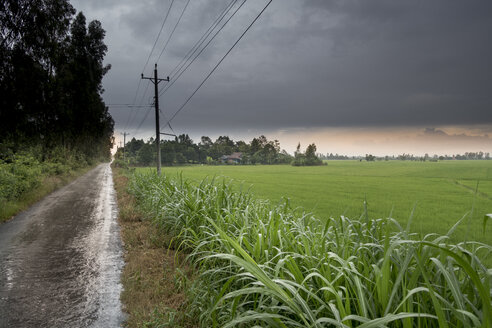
259	264
48	184
154	277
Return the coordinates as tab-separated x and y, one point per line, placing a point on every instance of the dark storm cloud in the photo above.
315	63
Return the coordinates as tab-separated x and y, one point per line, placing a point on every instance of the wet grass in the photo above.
270	265
154	277
438	194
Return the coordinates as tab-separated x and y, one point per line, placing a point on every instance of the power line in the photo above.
220	61
204	36
146	114
168	124
133	112
158	35
133	102
174	29
135	132
178	75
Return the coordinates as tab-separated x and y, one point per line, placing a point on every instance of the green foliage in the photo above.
145	154
266	265
23	171
443	191
182	150
309	158
51	70
120	163
20	175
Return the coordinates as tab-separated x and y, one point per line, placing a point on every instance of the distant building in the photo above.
234	158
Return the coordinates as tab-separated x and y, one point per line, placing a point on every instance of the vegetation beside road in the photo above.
53	121
25	178
262	264
155	276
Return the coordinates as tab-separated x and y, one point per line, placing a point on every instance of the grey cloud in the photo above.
314	63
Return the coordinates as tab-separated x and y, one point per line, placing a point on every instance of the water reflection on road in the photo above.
60	261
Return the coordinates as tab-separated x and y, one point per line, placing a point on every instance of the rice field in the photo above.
264	264
435	195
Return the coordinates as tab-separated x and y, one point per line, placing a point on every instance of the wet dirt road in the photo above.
60	261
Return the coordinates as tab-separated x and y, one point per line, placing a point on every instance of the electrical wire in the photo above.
174	29
140	103
178	75
204	36
135	132
133	102
132	112
220	61
158	35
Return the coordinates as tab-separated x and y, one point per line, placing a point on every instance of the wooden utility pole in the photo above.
156	81
124	134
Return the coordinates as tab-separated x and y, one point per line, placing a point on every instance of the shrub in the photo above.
120	163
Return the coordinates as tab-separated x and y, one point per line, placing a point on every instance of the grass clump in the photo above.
264	265
154	277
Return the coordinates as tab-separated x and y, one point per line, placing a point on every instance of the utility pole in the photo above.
156	81
124	134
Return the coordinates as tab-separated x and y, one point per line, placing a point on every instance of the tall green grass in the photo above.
266	265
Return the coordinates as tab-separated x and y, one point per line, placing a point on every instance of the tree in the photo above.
51	78
308	158
134	146
145	154
311	151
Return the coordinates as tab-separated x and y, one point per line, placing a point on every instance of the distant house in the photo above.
234	158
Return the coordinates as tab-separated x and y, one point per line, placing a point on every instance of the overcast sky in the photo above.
356	77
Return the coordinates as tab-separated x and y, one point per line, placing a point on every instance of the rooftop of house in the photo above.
236	155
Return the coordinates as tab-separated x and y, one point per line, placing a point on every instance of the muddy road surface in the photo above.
60	261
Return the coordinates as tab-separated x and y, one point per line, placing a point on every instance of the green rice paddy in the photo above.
438	193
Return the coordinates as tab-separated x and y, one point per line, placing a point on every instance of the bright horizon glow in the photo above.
358	141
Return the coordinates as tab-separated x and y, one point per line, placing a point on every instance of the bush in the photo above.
120	164
24	170
22	174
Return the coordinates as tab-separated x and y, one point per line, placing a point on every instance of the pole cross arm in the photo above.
160	80
153	79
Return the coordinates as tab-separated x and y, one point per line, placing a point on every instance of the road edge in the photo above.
154	278
49	185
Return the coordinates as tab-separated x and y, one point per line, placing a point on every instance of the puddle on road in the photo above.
63	270
103	246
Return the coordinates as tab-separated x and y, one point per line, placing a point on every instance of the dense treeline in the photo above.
183	150
51	69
